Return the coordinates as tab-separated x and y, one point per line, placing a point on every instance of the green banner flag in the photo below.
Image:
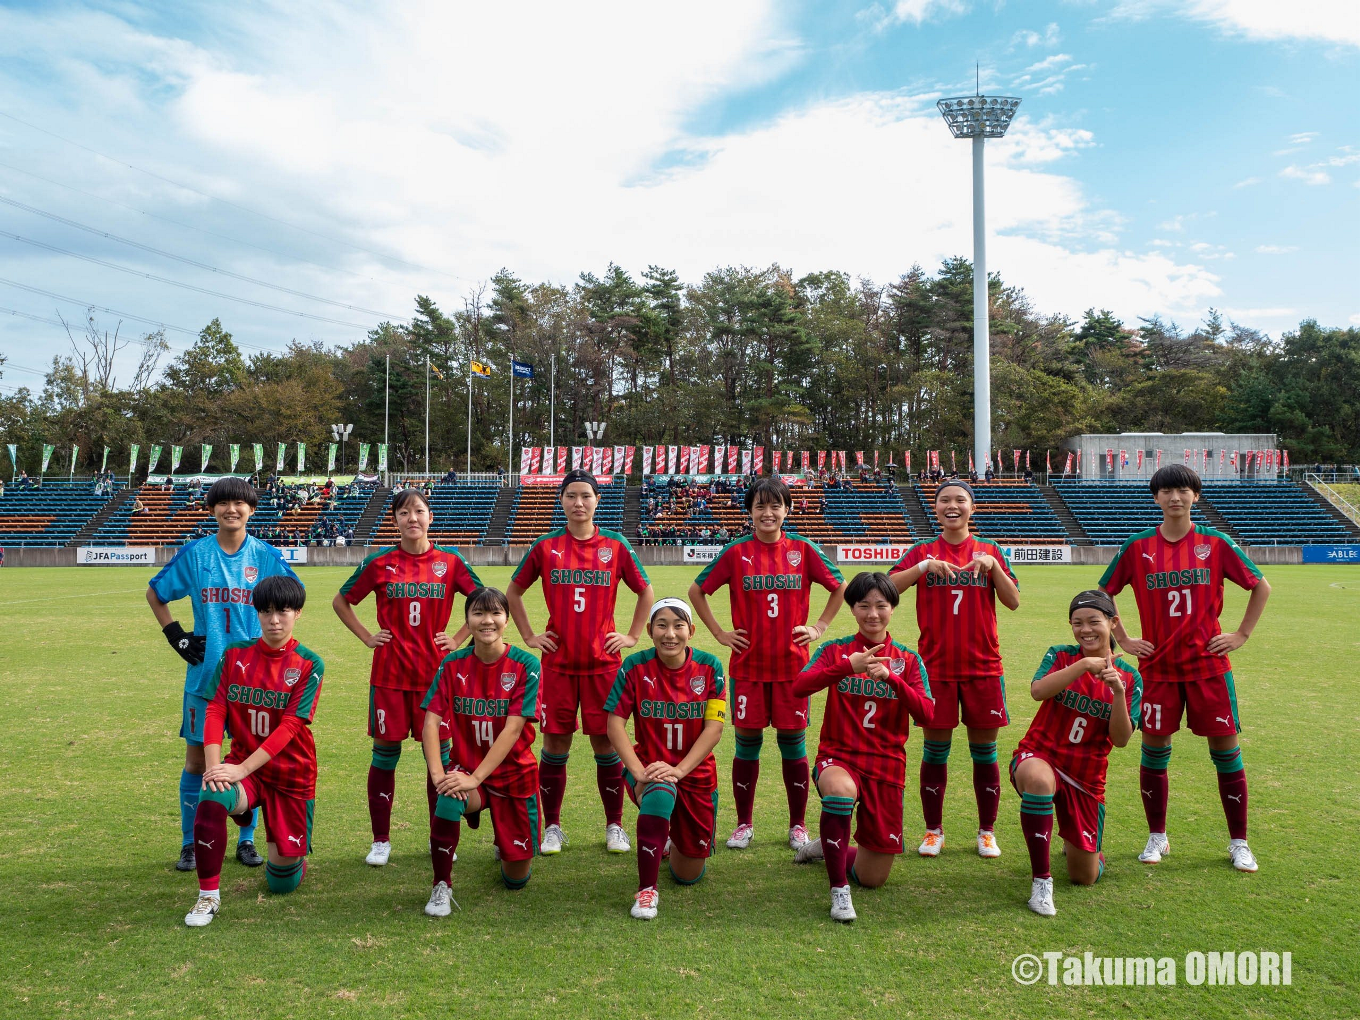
330	461
278	466
13	457
47	457
176	452
104	466
302	456
75	453
363	456
207	452
235	449
152	459
132	461
382	457
259	457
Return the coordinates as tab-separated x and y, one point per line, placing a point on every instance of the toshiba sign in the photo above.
880	554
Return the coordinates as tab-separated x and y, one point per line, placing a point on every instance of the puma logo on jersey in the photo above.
931	789
295	839
462	679
832	842
895	839
744	786
445	849
386	796
703	842
747	559
1149	557
1088	835
388	566
649	680
204	842
650	850
556	552
443	724
521	842
241	666
1000	712
1235	796
1041	835
1225	720
801	714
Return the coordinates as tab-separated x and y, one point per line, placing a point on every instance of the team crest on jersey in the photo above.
795	557
696	684
507	681
897	666
606	554
251	574
439	567
292	675
1202	551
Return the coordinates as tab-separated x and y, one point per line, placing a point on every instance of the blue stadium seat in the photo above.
462	513
1012	513
1109	512
1274	513
49	515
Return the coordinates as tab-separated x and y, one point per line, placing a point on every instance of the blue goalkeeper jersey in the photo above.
221	587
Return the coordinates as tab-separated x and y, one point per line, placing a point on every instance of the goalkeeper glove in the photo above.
190	647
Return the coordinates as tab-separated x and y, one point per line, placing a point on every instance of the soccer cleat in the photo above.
1158	846
248	855
379	854
1041	897
931	844
554	839
441	901
187	860
798	836
987	844
615	839
842	909
809	852
645	903
1242	857
666	850
741	836
495	853
204	911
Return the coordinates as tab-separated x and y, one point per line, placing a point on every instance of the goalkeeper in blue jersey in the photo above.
218	574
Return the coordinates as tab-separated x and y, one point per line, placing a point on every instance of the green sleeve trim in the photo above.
359	570
717	559
828	643
826	560
611	703
1109	571
528	708
618	537
1136	702
530	551
638	658
306	705
708	659
453	551
1050	656
1232	544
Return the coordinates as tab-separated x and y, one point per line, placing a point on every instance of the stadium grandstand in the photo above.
53	513
536	508
462	513
1013	513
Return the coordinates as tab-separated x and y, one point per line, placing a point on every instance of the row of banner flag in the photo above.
1201	460
176	457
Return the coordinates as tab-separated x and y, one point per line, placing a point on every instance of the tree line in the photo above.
821	361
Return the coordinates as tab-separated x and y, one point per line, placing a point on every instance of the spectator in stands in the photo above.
1029	476
2	488
25	482
138	507
990	475
972	476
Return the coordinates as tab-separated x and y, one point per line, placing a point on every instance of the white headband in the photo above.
678	604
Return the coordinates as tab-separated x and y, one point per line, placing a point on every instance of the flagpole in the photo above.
510	458
387	407
552	402
427	414
469	430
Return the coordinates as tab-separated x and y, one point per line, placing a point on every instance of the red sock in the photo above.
796	776
651	835
210	842
850	856
1155	786
933	781
552	785
443	843
431	796
382	786
987	788
1232	790
1038	830
835	833
744	776
609	781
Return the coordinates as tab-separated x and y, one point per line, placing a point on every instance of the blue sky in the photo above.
1168	156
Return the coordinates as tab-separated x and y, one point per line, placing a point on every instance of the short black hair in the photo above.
773	490
279	591
405	496
578	475
862	585
230	489
1174	476
486	600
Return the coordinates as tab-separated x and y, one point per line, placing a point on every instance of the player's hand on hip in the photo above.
1222	644
443	642
615	641
545	642
806	635
188	646
1138	647
381	638
735	639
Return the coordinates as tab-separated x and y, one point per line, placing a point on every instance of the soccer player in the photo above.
1177	571
959	577
769	575
874	687
414	584
218	574
1089	702
264	693
478	739
581	566
677	698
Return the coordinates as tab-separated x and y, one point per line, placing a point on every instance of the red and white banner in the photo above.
887	554
575	457
732	454
1109	459
807	461
672	459
557	479
778	456
746	462
1048	462
1015	461
703	459
1222	458
628	459
953	462
1067	467
646	460
1140	460
859	458
875	460
1260	456
525	457
618	458
604	462
685	453
1078	462
906	460
719	456
970	462
1285	454
588	457
1026	460
759	460
821	460
561	466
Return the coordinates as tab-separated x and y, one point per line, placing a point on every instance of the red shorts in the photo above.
559	694
760	703
1081	818
1210	706
981	703
287	820
878	811
694	822
393	714
514	824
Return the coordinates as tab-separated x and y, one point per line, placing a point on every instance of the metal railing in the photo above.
1332	496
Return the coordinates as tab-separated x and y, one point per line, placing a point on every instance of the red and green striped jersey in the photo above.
266	698
415	600
580	585
867	721
957	613
473	699
1179	590
1071	730
670	707
770	587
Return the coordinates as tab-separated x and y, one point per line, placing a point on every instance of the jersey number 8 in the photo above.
413	614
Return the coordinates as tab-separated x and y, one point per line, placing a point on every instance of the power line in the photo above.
204	194
177	283
196	264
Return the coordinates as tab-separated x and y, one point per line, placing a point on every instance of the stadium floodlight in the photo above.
595	431
340	433
980	117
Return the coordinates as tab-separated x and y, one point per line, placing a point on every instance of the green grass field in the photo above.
91	909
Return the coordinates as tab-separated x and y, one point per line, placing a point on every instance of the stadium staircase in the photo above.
632	511
1009	512
119	502
1075	534
368	520
1276	513
500	517
1351	527
1218	522
922	524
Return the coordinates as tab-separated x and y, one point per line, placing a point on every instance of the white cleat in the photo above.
495	853
1158	846
1242	857
741	837
645	903
1041	897
441	901
931	843
809	852
204	911
616	840
987	844
842	909
554	839
666	851
798	837
379	853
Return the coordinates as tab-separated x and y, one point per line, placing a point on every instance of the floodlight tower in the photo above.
980	117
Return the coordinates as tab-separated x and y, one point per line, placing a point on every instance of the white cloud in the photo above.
1051	36
1243	314
1354	320
1303	138
914	11
1308	176
1056	60
1276	249
1330	21
1247	182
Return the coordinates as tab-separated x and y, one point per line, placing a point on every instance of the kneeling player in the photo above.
1091	701
482	701
676	696
874	685
264	693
